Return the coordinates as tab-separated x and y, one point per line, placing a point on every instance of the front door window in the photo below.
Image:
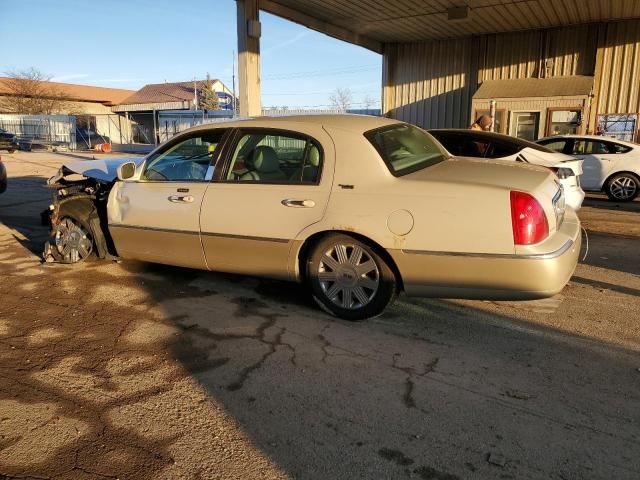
186	160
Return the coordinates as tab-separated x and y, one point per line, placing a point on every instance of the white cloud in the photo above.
69	76
285	43
119	80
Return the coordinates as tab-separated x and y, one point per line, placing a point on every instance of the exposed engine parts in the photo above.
77	217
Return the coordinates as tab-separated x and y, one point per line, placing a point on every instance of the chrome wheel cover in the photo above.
348	276
623	187
72	241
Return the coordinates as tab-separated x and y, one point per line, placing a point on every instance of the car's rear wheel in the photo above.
349	279
72	241
623	187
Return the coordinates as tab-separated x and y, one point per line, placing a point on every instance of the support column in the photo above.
389	60
249	57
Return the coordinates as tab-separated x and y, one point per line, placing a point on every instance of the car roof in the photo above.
350	122
489	136
592	137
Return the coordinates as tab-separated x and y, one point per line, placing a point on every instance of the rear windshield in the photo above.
405	148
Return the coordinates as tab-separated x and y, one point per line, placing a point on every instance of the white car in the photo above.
610	165
495	146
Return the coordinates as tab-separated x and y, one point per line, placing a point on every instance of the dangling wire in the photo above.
586	238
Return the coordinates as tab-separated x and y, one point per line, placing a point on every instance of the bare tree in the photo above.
368	102
31	92
341	98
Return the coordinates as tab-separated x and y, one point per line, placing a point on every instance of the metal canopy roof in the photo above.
575	86
371	23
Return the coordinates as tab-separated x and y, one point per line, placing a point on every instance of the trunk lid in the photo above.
491	173
557	160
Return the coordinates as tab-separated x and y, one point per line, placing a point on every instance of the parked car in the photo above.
359	208
8	141
3	177
495	146
610	165
89	139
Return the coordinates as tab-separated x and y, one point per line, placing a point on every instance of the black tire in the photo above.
622	187
11	150
72	241
357	293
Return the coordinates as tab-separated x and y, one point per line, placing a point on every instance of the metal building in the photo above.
442	58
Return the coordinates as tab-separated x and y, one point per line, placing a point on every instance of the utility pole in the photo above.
233	76
195	93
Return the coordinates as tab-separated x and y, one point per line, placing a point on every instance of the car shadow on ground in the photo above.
600	201
21	206
612	252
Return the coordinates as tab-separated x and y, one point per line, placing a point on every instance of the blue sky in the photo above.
128	43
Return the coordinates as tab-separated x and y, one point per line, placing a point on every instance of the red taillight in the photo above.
528	219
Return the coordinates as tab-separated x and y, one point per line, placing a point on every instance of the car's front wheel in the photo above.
72	242
623	187
349	279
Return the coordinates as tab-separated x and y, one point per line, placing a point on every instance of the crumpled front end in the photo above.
77	218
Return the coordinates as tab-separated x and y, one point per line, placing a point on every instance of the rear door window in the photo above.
618	148
263	156
590	147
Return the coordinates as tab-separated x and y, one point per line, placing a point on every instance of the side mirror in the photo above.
126	171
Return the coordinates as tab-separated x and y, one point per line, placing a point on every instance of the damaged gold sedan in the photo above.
359	208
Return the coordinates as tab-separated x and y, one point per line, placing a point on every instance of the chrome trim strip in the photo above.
205	234
245	237
539	256
153	229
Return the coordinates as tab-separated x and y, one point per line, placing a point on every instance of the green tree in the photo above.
207	98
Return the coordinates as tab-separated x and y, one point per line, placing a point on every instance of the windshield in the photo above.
405	148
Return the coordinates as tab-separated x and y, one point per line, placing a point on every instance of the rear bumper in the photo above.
491	276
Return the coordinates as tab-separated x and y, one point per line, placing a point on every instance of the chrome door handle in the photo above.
290	202
181	199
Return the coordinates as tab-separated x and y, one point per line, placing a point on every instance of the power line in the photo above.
375	102
314	73
320	73
325	92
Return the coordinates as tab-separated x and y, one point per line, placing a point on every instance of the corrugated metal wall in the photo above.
617	86
430	81
431	84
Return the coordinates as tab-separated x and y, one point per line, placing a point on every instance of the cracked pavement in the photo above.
139	371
